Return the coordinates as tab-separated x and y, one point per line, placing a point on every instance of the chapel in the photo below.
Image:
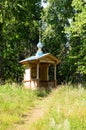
37	69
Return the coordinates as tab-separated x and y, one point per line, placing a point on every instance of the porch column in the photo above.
55	74
38	73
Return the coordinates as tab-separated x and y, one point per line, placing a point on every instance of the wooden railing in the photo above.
42	83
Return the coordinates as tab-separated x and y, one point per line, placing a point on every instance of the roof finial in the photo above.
39	52
39	45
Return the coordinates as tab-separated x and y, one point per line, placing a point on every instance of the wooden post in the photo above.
55	74
48	75
47	72
38	74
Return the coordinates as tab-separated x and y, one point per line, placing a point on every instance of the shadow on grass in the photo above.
43	92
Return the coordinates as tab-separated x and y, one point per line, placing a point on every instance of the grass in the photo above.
14	102
66	110
65	107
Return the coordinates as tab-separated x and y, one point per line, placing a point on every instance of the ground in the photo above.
32	116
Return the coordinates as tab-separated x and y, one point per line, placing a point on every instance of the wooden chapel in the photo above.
37	69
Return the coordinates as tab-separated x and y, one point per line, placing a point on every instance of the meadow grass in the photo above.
14	102
65	110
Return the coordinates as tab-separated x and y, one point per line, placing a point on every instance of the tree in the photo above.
54	18
1	46
77	32
20	33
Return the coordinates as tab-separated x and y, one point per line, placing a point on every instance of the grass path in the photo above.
33	115
30	118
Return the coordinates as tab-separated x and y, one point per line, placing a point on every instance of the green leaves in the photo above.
19	31
65	21
77	31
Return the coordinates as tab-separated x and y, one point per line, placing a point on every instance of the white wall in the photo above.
27	75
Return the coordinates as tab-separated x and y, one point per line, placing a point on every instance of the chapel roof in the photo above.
41	57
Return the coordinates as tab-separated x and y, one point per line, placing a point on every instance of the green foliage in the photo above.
55	17
65	21
19	33
77	33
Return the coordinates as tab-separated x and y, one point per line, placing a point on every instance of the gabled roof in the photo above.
44	58
41	57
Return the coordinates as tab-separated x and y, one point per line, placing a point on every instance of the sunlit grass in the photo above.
65	110
65	107
14	102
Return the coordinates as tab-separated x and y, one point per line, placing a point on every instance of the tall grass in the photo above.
14	101
65	110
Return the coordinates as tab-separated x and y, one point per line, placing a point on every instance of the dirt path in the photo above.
32	116
28	119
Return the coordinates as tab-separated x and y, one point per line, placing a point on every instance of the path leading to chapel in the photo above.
32	116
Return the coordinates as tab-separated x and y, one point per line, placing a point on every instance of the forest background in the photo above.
62	26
